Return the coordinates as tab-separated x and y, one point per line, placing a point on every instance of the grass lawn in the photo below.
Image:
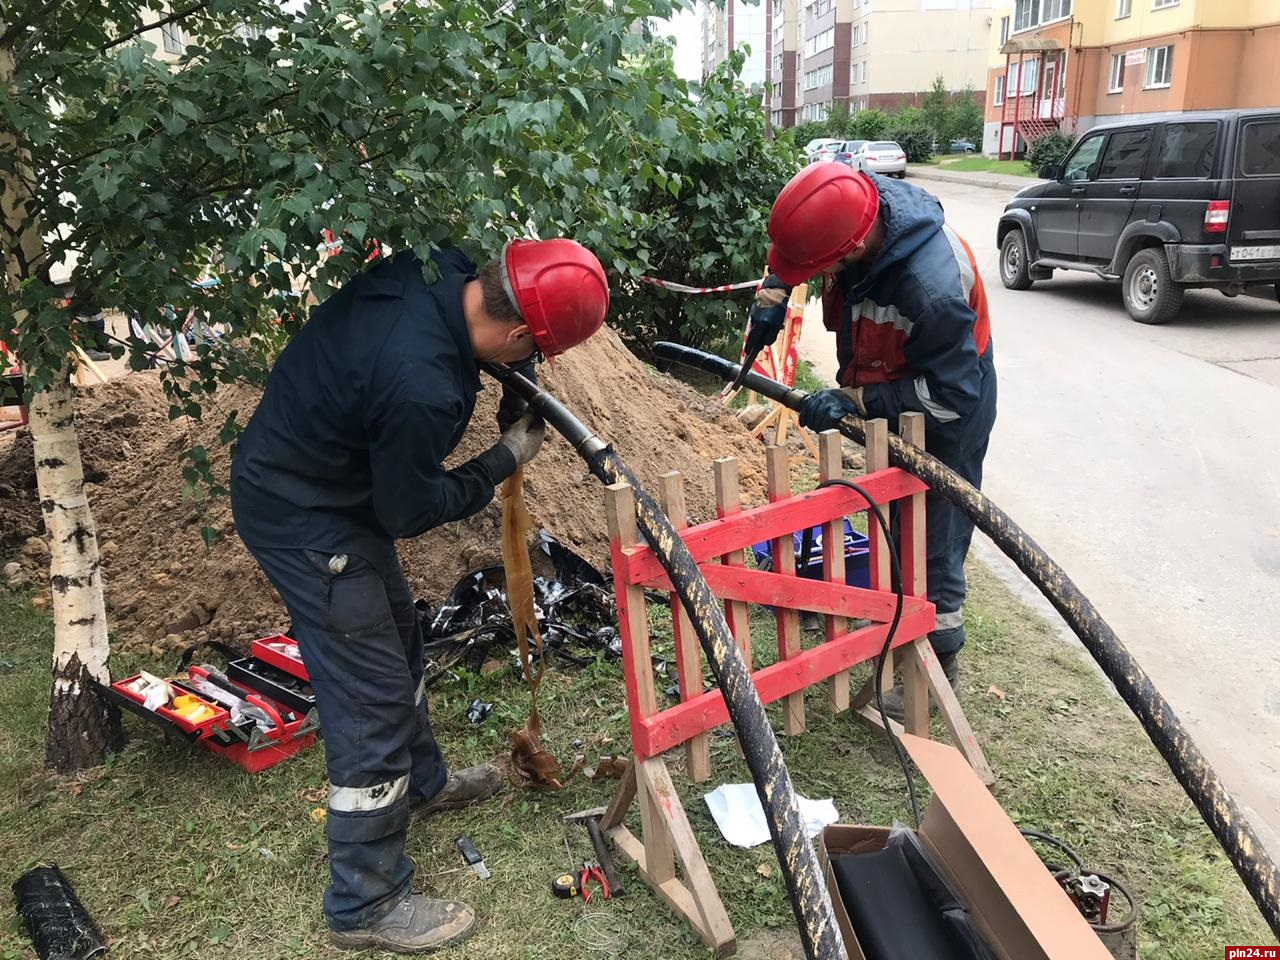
176	853
976	164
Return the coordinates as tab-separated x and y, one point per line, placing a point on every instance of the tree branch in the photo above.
162	22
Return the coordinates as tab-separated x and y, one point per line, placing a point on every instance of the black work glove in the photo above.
768	313
826	408
512	406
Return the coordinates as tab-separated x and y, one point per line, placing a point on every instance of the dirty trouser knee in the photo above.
374	726
948	531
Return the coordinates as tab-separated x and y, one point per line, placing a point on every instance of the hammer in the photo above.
591	820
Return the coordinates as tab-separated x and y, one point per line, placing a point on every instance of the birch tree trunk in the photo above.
83	725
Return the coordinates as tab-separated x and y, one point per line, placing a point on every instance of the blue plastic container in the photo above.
857	567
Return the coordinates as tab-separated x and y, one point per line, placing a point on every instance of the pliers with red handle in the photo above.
591	871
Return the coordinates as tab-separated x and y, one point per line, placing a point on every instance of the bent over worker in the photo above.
343	456
902	293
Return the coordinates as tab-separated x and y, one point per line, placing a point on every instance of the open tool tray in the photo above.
274	683
282	653
245	744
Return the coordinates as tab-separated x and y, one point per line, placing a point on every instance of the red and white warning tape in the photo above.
685	288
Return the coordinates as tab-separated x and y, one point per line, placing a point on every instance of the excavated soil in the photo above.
166	589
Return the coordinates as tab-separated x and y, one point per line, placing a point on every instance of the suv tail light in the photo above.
1215	216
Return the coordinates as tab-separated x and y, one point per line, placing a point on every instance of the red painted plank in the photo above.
795	593
672	727
782	518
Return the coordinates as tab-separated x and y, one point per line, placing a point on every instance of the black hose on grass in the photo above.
805	883
1216	805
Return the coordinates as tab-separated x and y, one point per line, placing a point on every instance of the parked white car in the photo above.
881	156
824	148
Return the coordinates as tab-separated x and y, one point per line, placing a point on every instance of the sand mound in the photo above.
162	580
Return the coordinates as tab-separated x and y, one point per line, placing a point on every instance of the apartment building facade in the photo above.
732	26
871	53
1073	64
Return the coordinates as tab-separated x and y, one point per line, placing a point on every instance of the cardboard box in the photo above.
1013	900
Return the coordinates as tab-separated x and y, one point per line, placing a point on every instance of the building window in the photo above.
817	78
819	42
1004	30
866	32
171	35
1031	13
999	97
1161	4
1159	67
857	34
1030	77
1117	73
1124	8
1055	10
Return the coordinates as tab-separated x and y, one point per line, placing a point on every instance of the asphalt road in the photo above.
1146	460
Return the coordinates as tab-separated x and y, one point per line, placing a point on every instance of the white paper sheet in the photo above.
736	809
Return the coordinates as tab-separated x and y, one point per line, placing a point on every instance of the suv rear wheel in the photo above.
1015	266
1151	295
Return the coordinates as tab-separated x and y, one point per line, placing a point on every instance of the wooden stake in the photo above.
637	668
830	467
729	502
688	652
784	561
84	361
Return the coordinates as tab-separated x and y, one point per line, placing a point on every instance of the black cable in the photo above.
1053	841
896	567
1061	874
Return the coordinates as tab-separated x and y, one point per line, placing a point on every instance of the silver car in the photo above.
881	156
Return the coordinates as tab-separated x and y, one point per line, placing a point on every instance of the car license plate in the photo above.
1256	253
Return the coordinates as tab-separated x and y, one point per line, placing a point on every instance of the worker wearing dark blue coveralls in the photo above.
904	297
343	456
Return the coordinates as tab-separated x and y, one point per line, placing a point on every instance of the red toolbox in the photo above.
253	743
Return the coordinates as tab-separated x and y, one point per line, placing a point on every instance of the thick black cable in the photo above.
896	581
1254	864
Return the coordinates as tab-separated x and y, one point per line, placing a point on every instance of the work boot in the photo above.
894	704
462	789
417	924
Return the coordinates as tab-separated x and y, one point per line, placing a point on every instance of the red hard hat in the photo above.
559	288
819	217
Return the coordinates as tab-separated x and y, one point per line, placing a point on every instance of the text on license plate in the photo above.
1256	253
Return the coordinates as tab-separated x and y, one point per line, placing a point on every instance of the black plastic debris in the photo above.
56	921
479	711
575	608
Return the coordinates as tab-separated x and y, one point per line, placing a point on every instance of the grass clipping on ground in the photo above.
177	853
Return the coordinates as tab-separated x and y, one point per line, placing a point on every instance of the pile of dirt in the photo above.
166	589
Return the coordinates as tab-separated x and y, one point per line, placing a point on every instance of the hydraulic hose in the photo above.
806	885
1216	805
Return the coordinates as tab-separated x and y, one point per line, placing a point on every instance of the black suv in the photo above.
1186	200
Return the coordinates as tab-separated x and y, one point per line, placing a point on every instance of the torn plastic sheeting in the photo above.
575	611
56	921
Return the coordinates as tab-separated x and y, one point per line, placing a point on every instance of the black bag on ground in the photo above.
57	922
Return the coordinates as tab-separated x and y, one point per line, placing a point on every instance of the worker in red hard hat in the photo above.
902	293
344	455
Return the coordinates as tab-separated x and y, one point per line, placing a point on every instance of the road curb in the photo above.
989	181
